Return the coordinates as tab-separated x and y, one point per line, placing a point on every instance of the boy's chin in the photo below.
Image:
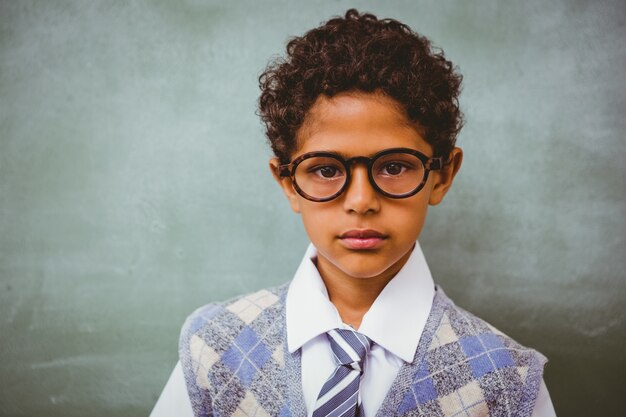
366	265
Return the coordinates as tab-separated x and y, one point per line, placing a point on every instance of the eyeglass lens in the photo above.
324	176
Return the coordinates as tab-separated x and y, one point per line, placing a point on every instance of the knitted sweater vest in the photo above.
236	363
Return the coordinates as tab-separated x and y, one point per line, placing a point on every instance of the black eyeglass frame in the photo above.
430	164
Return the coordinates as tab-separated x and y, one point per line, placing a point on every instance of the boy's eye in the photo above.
327	171
393	168
319	169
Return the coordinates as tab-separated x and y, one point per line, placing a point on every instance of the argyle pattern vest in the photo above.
236	363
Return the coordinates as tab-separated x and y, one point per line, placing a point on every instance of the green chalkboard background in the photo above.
134	186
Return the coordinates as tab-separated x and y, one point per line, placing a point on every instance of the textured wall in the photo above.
134	186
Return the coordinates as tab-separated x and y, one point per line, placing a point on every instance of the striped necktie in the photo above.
339	396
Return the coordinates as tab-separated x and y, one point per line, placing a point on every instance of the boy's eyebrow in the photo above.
345	155
341	154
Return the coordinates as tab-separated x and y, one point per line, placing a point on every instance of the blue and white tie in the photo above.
339	396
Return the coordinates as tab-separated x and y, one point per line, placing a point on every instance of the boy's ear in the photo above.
445	176
285	184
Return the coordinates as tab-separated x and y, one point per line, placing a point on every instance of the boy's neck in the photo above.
353	297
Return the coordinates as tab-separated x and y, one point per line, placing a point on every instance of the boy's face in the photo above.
362	234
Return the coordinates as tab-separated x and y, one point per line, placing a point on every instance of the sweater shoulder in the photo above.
230	317
465	358
460	325
230	350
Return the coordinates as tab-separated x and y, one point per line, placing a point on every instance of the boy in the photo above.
362	117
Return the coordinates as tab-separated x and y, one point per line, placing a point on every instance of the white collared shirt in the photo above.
310	314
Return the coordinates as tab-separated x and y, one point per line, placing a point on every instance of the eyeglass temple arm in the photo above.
434	164
284	170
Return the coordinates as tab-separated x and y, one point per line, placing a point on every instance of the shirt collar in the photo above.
395	320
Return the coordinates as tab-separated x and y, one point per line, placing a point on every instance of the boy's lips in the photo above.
362	239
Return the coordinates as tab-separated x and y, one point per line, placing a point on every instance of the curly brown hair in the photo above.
359	52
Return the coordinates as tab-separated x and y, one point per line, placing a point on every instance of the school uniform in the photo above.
266	354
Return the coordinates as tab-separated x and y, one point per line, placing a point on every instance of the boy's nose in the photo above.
360	196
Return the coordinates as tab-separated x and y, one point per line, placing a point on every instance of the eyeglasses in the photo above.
395	173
